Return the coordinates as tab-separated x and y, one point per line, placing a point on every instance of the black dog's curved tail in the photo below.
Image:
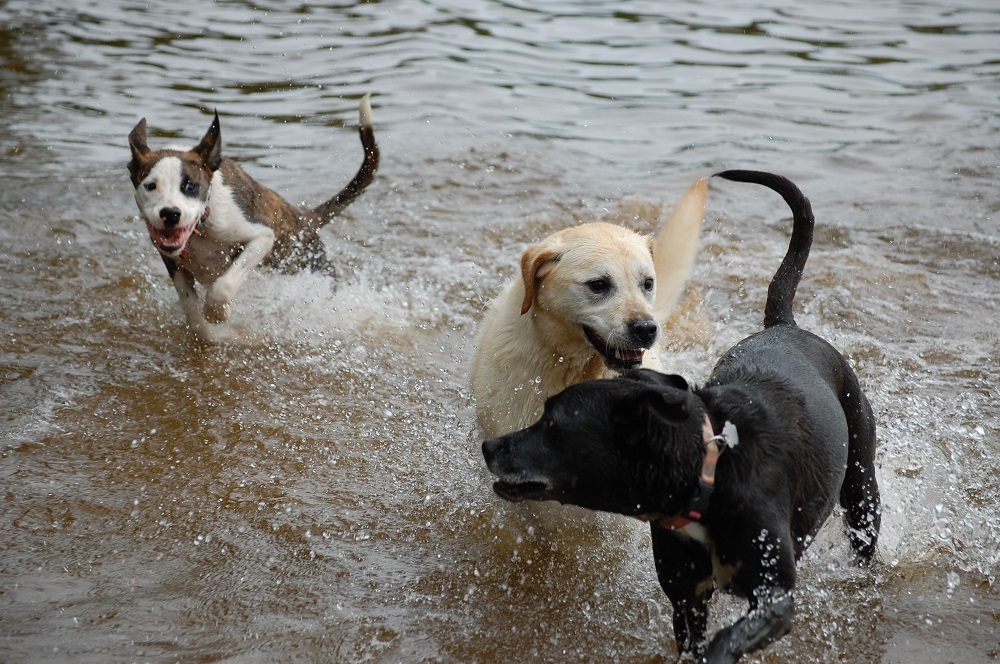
781	292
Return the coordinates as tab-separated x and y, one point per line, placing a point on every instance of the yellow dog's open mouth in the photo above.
616	358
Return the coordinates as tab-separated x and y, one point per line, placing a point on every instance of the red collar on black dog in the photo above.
697	505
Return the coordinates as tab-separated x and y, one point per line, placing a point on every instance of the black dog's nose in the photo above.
490	448
171	216
643	331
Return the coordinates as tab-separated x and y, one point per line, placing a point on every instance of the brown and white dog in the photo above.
213	224
589	303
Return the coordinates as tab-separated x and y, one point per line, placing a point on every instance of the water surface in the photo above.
315	492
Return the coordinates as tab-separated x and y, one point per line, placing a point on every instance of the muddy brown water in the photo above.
315	493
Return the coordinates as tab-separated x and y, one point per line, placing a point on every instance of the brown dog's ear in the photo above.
532	260
210	148
137	138
140	150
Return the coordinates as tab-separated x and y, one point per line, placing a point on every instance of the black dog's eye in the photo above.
648	284
150	186
189	187
546	421
599	285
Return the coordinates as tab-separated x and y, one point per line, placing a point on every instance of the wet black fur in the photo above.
633	445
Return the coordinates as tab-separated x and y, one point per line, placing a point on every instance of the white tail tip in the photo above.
365	110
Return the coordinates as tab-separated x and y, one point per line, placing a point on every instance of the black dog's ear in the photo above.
672	405
210	148
673	380
656	378
667	395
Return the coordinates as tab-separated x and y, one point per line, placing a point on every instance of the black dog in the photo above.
797	435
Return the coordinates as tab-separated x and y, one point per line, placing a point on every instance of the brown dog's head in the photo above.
172	186
592	289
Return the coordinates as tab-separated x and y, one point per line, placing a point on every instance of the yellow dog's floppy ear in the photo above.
532	260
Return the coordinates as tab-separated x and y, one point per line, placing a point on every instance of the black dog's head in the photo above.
629	445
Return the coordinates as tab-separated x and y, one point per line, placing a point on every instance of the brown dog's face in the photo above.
172	186
592	289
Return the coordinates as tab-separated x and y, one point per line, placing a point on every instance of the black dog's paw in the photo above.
692	652
864	543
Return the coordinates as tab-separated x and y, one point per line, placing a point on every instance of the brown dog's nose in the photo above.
171	216
643	331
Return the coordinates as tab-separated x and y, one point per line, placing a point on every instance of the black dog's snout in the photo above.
490	449
643	331
171	216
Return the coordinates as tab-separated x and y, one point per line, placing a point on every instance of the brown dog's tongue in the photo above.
170	239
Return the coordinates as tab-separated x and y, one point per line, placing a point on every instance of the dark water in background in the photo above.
315	493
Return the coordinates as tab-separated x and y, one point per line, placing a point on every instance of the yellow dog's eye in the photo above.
599	285
648	283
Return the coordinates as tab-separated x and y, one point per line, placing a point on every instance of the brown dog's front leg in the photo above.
219	296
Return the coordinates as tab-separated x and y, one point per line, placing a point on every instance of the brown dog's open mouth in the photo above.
616	359
170	241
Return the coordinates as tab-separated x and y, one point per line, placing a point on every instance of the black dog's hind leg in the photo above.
684	567
859	495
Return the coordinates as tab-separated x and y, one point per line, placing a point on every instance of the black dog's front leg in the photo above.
767	622
767	579
690	623
684	570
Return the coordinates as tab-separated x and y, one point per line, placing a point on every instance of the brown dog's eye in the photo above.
189	187
598	285
150	186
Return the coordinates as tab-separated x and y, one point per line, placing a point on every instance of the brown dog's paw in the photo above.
217	311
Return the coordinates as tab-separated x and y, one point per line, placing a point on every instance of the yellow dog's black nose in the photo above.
643	331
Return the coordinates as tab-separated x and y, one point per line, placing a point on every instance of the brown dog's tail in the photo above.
781	292
365	174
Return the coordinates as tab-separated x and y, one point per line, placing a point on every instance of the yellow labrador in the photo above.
590	303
